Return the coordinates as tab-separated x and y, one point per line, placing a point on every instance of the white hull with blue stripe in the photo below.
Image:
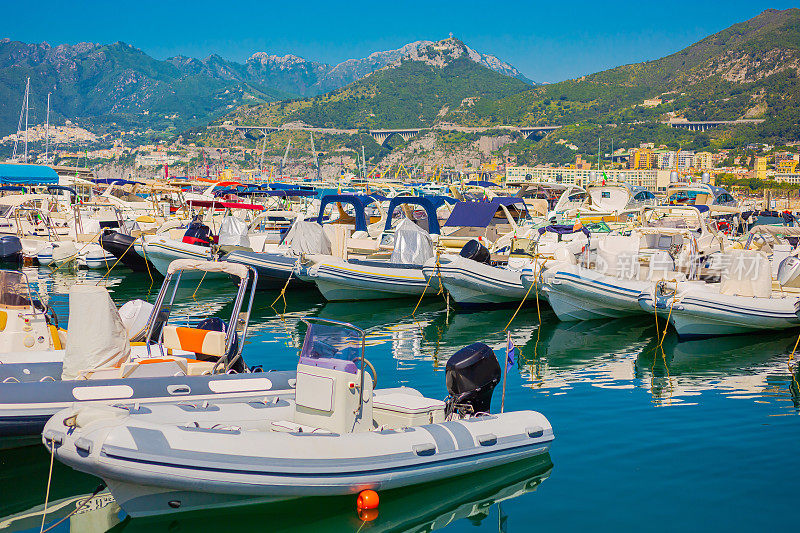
340	280
578	293
161	251
471	283
171	458
700	311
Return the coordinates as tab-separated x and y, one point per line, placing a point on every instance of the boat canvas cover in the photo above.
480	214
307	237
28	174
233	232
96	337
412	244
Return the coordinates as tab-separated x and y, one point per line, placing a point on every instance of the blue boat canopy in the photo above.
482	183
480	214
54	189
359	204
421	201
116	181
14	174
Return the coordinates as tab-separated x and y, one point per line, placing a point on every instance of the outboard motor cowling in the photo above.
10	248
789	272
471	375
197	233
476	251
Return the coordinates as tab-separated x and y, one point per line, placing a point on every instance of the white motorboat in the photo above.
671	244
397	275
746	300
180	363
473	278
337	436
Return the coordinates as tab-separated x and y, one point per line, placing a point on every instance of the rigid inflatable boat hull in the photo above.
577	293
340	280
27	404
472	284
156	468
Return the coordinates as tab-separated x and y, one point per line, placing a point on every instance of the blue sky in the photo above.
547	41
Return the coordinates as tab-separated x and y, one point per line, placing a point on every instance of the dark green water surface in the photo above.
699	435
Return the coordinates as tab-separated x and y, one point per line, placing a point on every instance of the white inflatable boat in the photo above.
746	299
338	437
195	362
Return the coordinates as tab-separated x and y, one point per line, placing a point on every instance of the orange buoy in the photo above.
367	499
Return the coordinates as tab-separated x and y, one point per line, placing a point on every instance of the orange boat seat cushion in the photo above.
200	341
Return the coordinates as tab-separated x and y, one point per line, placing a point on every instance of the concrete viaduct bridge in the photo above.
703	125
381	136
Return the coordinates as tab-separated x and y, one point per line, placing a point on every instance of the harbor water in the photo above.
652	434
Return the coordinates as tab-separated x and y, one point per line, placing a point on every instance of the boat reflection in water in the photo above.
753	366
626	353
602	353
23	476
426	507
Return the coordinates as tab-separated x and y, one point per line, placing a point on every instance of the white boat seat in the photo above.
287	426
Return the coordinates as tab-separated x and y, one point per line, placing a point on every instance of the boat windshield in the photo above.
332	345
14	291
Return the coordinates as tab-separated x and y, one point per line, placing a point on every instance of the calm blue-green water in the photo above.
697	435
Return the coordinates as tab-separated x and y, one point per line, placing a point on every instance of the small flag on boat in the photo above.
509	354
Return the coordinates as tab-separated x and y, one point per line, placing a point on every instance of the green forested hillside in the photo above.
413	94
749	70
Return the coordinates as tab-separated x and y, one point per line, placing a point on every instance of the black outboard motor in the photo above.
217	324
10	248
471	375
476	251
197	233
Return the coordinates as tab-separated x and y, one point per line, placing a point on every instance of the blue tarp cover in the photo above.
482	183
118	181
27	174
420	201
480	214
359	203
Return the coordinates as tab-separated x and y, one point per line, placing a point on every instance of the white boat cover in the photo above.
234	269
307	237
617	256
96	336
746	273
233	232
64	250
412	244
135	315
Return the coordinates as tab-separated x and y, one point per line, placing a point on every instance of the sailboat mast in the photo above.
598	154
285	156
27	98
363	164
47	132
261	160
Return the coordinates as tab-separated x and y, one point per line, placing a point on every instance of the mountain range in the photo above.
117	86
